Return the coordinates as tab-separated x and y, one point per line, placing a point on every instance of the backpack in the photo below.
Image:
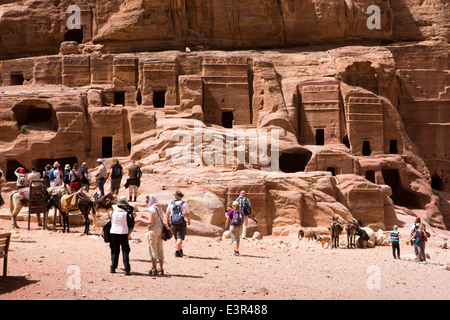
22	181
238	218
66	177
130	217
51	176
177	216
117	172
245	207
138	173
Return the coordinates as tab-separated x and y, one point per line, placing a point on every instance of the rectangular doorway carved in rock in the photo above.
107	147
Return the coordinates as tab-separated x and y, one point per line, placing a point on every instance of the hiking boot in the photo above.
181	252
153	272
129	200
135	199
236	253
178	254
161	271
111	270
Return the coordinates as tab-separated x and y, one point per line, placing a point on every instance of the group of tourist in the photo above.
75	177
177	217
418	238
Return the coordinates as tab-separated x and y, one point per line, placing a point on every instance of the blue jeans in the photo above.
101	183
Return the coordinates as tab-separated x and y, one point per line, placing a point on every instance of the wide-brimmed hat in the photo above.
122	201
178	194
56	164
99	160
67	167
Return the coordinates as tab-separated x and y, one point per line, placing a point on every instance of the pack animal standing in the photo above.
336	229
351	230
84	206
17	200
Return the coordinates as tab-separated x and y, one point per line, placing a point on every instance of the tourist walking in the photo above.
22	178
244	204
75	178
119	236
177	215
235	220
419	242
55	175
133	181
102	176
116	176
395	242
154	220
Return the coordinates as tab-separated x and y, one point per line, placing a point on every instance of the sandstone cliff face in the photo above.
361	127
37	27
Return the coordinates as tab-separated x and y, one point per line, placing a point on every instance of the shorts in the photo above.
178	230
235	233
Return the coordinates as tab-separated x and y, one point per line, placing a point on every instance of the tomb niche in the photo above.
35	115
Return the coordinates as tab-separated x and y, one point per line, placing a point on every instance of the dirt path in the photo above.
53	265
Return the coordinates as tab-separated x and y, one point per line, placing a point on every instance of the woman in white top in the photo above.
155	226
119	236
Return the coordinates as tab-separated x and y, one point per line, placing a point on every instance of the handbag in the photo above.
106	232
167	232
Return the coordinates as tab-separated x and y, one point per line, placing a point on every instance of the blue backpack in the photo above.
177	216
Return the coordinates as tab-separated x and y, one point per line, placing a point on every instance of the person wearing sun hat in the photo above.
244	204
178	209
55	175
102	176
119	236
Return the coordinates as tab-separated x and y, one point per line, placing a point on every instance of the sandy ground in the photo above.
49	264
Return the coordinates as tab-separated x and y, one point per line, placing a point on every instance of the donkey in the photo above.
351	230
336	229
84	206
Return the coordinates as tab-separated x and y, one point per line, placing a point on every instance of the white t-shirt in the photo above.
57	180
119	221
158	216
184	208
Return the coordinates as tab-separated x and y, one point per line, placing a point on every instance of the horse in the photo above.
84	206
16	204
336	229
351	230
